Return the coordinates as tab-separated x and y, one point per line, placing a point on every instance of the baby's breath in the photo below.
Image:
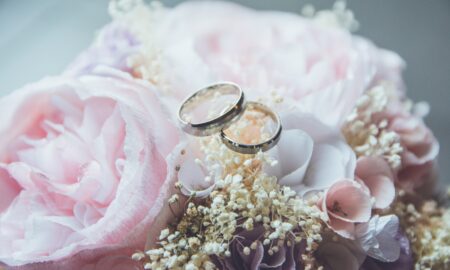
426	225
140	18
368	137
244	198
337	17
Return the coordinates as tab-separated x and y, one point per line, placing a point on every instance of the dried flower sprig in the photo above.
339	16
140	17
426	225
245	198
370	137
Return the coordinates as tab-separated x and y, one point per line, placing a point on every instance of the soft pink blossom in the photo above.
377	175
84	167
349	201
420	147
346	203
106	258
420	151
325	69
114	262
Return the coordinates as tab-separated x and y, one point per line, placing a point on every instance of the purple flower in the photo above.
404	262
112	47
288	257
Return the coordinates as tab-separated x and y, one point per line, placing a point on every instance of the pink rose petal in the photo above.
345	203
87	170
377	175
346	200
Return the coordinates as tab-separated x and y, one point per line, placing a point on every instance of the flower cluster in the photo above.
146	62
385	124
245	199
247	210
339	16
369	135
426	225
100	177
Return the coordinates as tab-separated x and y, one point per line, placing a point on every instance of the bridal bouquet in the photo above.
96	172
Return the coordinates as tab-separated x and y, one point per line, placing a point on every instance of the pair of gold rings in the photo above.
218	107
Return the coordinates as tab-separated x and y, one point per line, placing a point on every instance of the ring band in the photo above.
255	148
216	124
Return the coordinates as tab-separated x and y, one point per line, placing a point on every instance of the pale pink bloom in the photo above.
84	167
114	262
420	147
311	155
346	203
377	175
324	69
106	258
420	151
349	201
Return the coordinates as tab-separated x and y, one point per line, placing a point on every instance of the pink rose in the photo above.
350	201
420	147
377	176
346	203
107	258
84	167
420	150
325	69
114	261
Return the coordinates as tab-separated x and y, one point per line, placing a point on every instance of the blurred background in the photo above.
39	38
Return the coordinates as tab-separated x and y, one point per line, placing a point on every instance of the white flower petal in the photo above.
191	174
293	153
311	155
326	167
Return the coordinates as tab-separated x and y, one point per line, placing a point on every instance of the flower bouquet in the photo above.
97	172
